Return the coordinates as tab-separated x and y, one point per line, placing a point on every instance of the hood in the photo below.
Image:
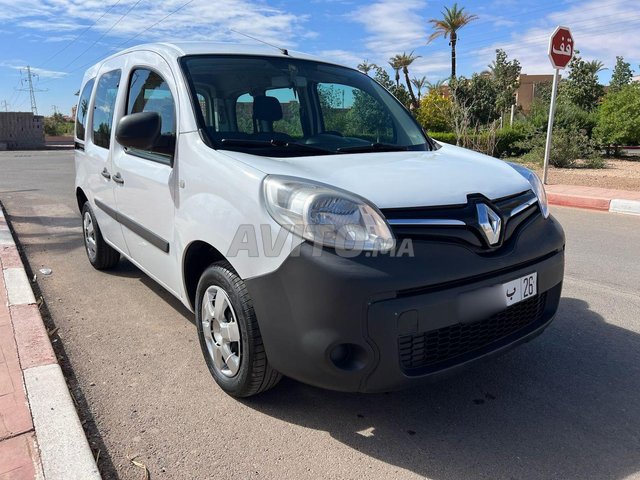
402	179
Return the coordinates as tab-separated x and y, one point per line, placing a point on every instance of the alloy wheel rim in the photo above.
221	331
89	235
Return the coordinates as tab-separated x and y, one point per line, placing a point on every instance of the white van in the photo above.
305	217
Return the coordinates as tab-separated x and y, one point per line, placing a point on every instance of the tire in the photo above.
231	342
101	255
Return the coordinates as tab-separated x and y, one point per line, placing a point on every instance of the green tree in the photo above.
453	19
398	91
619	116
56	125
478	97
582	86
335	116
434	113
505	76
367	118
622	74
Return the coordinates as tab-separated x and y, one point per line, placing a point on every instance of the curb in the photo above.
614	205
63	447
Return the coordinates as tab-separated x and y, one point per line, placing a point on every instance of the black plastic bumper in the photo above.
338	322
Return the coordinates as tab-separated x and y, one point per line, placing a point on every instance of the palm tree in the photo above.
402	62
453	19
365	67
595	66
437	85
419	83
395	64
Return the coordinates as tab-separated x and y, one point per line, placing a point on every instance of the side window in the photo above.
106	93
352	112
279	113
204	107
148	92
82	112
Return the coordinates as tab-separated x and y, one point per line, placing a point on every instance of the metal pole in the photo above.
552	111
513	111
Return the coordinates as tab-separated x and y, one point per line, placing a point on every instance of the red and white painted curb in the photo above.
614	205
64	451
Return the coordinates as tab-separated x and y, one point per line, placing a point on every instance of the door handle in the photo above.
105	173
118	178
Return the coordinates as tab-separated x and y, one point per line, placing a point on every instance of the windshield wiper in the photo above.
247	142
374	147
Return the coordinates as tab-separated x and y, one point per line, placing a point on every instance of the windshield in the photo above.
289	107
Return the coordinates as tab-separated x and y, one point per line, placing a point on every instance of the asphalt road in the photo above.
566	405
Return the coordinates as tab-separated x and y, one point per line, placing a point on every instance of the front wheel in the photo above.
229	334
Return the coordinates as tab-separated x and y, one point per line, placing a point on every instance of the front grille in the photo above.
459	223
430	349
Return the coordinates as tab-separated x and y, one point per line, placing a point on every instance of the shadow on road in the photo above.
563	407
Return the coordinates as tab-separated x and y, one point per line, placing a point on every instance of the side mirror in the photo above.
139	130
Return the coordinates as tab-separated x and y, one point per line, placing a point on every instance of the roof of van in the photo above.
181	49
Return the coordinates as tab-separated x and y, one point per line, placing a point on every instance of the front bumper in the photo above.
364	323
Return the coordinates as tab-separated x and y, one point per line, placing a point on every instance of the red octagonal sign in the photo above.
561	47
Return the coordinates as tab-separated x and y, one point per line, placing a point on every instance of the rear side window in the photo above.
82	112
106	93
148	92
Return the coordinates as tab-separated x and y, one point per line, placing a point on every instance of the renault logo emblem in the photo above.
490	223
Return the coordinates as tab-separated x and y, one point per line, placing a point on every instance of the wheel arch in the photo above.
81	198
197	257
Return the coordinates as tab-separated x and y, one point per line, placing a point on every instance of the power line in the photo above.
590	29
103	35
91	62
75	39
586	25
600	6
157	23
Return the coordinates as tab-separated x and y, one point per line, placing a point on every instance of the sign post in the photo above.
560	53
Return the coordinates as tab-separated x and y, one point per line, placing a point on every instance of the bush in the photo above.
566	147
567	117
434	112
446	137
507	141
619	117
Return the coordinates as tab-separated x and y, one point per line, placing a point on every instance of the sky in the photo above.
60	39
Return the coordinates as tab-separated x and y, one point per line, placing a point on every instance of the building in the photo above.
527	89
21	131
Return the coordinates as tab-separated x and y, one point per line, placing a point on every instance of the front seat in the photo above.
267	110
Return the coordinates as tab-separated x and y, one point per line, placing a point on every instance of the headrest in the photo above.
267	108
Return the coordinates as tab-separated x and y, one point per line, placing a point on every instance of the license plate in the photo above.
520	289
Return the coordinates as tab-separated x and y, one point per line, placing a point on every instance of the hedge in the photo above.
506	141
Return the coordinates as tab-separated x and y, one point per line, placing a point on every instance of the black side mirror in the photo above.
139	130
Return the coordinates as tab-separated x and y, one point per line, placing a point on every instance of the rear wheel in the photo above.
229	334
100	254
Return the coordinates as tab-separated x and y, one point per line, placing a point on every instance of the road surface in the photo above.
566	405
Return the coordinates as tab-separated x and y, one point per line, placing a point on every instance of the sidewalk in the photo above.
618	201
40	433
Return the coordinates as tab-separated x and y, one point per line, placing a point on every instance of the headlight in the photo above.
326	215
536	186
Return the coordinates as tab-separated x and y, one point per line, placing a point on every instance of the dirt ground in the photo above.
619	174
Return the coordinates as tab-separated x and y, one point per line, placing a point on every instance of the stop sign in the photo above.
560	47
